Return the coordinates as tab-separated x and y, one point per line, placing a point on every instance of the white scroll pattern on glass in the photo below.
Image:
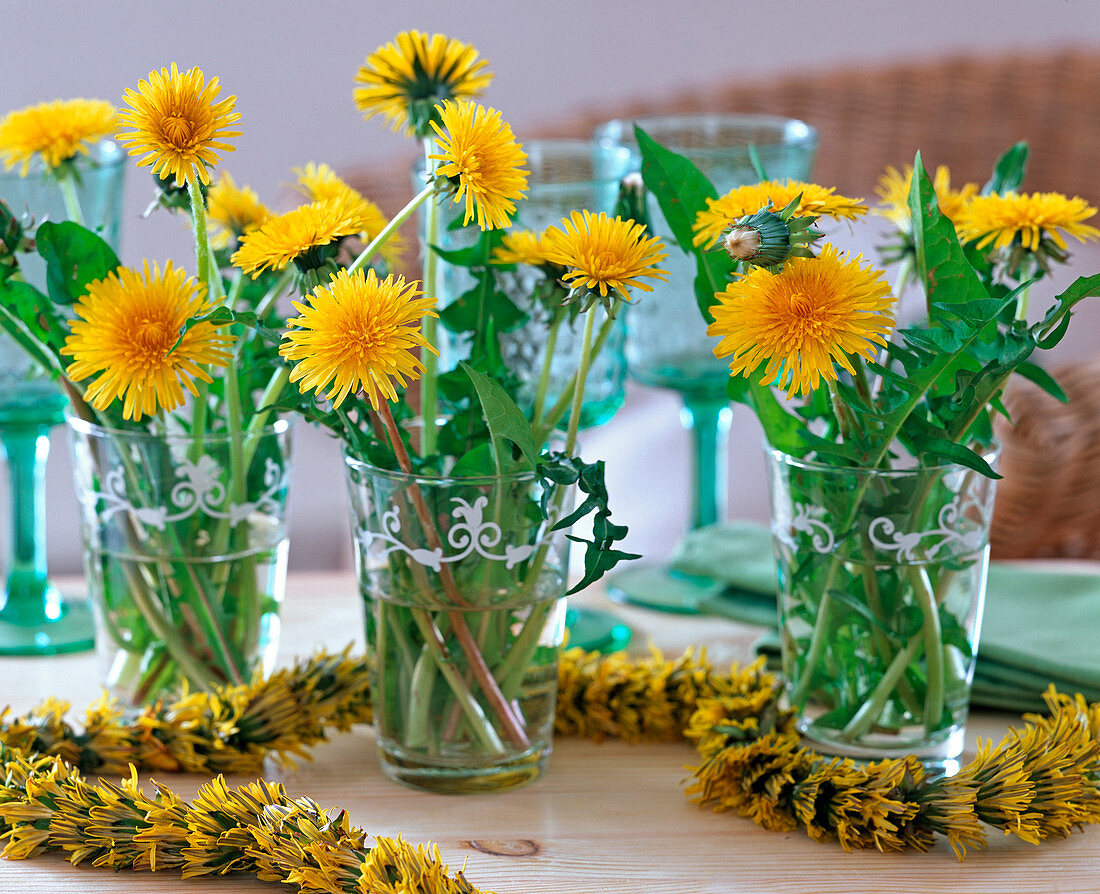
199	489
470	534
960	526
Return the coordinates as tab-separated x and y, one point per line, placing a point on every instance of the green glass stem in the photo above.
30	597
33	618
707	418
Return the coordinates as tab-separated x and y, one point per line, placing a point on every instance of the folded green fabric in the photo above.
1039	627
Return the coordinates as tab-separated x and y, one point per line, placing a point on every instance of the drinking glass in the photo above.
565	175
667	345
34	619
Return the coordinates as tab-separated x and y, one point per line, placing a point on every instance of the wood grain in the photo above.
604	818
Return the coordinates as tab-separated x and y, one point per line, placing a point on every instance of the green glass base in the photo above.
72	631
661	588
596	631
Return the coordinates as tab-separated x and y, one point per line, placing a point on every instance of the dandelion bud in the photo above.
742	243
762	239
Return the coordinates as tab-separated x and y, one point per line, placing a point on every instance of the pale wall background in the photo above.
291	66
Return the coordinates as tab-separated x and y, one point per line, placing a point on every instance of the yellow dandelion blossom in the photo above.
319	182
520	247
299	235
604	254
233	211
358	332
1000	220
126	332
54	131
893	192
178	127
479	154
817	201
803	321
405	80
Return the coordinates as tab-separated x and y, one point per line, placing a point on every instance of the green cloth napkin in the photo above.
1039	627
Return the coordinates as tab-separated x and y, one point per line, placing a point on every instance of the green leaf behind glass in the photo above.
74	257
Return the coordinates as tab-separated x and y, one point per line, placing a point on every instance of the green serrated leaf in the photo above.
1039	376
1009	171
941	262
504	419
75	257
680	187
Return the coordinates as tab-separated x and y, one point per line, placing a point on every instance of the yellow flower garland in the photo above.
1040	782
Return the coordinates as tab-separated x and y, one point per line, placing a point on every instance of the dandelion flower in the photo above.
233	210
178	126
126	331
319	182
483	160
300	235
55	131
817	201
893	192
603	254
520	247
405	80
1000	220
358	333
803	321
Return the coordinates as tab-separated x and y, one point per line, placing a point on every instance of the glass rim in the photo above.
82	426
397	475
989	454
802	133
575	146
105	156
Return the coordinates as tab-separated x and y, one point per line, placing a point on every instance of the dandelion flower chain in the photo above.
1040	782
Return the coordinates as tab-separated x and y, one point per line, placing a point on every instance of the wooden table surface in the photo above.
603	818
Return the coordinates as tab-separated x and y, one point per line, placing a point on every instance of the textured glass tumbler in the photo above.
462	585
667	344
185	550
34	619
565	176
881	589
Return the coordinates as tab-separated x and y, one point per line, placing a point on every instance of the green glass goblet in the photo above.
667	345
34	618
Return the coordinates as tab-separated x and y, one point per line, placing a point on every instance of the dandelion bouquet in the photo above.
461	497
181	469
881	450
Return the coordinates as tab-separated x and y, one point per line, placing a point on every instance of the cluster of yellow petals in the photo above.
893	192
320	183
804	321
999	220
233	210
416	68
478	151
292	236
179	125
54	131
604	254
520	247
358	333
128	332
817	201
